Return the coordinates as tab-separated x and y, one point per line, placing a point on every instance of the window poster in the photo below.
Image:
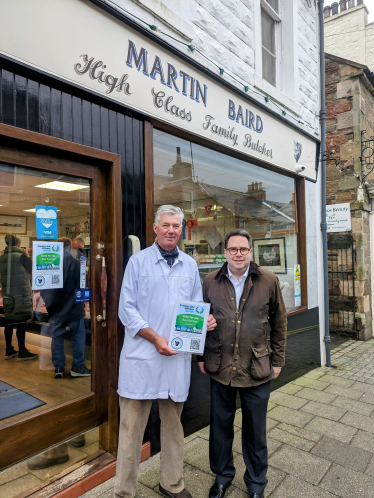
47	265
189	325
46	222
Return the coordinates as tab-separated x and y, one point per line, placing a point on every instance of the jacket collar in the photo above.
253	268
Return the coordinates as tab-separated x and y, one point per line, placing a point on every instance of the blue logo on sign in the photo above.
176	343
46	223
39	281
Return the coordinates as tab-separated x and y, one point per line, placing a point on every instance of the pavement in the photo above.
320	437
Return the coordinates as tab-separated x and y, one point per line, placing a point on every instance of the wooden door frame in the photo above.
30	149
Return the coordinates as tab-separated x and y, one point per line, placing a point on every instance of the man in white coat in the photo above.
149	369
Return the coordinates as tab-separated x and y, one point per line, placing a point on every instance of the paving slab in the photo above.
370	468
288	400
288	415
197	482
292	487
347	392
343	454
364	440
354	405
141	492
311	383
270	423
291	439
318	396
325	411
297	431
332	379
346	483
290	388
359	421
300	464
361	386
338	431
275	476
196	453
367	397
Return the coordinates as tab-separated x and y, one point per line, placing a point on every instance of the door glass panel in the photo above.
24	477
45	322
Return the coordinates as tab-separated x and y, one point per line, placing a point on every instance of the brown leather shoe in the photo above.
182	494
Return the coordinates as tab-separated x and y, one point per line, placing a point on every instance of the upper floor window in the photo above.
269	31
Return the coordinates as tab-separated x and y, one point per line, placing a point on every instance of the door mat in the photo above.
13	401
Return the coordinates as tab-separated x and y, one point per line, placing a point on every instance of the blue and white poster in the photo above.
46	222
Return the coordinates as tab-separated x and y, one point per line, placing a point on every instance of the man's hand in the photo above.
277	371
201	366
159	342
162	346
212	324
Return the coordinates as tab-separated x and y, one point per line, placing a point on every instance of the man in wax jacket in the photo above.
238	358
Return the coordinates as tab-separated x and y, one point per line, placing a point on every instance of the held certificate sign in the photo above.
188	330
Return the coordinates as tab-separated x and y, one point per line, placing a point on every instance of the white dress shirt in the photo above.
238	284
148	294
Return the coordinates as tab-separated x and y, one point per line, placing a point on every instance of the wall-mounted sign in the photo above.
46	222
297	285
338	217
47	265
139	73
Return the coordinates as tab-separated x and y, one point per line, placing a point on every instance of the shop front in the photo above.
93	138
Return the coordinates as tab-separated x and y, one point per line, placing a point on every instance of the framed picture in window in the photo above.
270	254
13	224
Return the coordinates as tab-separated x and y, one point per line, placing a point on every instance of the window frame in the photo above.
267	9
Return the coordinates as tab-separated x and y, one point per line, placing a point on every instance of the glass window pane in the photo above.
274	4
268	67
268	32
225	193
45	333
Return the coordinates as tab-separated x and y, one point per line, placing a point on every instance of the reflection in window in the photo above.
219	193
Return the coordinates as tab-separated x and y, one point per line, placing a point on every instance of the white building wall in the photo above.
348	35
229	33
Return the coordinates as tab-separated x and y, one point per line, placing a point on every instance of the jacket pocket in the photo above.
260	364
213	355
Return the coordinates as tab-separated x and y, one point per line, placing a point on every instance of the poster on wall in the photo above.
46	222
297	285
270	254
338	217
47	265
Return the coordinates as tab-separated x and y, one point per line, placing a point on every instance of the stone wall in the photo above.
349	109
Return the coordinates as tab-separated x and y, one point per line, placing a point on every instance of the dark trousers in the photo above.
254	401
21	334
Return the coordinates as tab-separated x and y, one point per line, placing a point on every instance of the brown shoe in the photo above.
182	494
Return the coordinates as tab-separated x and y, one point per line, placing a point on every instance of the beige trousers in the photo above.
134	417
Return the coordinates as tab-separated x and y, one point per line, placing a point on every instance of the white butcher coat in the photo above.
148	294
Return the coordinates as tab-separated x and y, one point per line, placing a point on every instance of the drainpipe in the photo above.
323	181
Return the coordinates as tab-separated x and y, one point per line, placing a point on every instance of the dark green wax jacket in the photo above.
15	271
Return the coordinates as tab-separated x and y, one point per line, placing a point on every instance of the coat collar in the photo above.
253	268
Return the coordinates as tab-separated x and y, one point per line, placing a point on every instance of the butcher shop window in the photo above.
219	193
